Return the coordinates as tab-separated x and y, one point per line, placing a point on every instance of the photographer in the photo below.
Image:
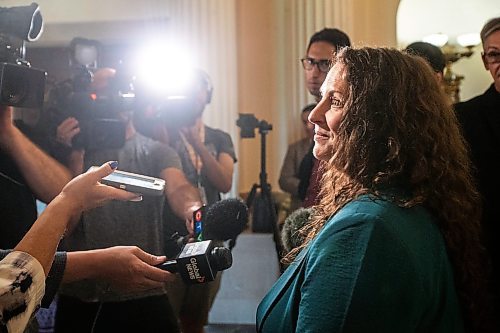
69	111
208	157
91	304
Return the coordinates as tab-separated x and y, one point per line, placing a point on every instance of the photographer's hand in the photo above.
192	136
67	130
218	169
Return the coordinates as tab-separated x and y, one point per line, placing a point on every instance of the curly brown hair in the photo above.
398	130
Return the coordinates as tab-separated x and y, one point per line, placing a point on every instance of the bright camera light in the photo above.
163	68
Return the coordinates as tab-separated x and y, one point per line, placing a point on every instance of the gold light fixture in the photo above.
452	53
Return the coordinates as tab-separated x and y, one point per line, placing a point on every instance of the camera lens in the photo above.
14	89
21	86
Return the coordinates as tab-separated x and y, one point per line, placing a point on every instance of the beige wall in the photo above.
257	83
374	22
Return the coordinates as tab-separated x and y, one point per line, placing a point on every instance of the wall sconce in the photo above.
453	53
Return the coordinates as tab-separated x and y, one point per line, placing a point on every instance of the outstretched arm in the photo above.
125	268
44	175
181	195
83	192
23	271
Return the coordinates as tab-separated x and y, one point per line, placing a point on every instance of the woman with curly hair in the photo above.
394	244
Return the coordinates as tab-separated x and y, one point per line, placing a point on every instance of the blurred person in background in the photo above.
289	175
480	120
316	63
208	157
92	304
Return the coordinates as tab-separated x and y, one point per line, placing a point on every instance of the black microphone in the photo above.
225	219
199	262
290	236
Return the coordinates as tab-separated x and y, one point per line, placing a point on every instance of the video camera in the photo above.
98	114
153	96
20	85
176	101
96	97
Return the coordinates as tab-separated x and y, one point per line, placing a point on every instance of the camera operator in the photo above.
208	158
88	305
69	107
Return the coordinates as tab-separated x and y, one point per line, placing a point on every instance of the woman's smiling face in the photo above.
327	115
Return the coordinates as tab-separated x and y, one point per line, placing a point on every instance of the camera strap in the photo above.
196	160
203	194
3	175
193	155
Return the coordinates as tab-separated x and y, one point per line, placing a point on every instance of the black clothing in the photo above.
18	211
480	121
17	204
148	314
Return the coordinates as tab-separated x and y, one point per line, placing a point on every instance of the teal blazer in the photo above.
374	267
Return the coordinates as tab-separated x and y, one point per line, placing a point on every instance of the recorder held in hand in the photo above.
136	183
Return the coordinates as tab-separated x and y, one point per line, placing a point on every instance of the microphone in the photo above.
290	237
225	219
199	262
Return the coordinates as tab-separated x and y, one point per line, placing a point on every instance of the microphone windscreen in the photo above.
225	219
290	236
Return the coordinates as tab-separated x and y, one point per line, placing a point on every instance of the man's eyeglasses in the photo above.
492	57
309	63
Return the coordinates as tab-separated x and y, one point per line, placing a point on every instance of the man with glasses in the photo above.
480	119
319	53
322	45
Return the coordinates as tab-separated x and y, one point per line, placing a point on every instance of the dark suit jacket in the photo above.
480	120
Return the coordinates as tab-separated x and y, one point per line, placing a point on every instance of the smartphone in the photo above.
198	216
133	182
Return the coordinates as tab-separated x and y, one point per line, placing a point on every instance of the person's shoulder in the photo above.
221	140
473	104
361	212
216	132
371	211
367	205
469	104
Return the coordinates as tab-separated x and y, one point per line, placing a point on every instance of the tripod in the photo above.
264	217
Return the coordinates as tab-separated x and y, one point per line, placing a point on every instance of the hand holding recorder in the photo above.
135	183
